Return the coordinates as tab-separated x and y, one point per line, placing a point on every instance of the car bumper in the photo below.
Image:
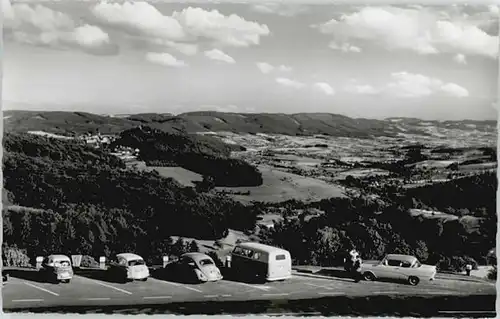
214	278
138	276
64	276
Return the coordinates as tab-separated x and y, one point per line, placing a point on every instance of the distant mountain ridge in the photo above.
69	123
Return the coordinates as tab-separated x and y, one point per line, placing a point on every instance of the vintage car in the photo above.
193	267
128	267
56	268
398	267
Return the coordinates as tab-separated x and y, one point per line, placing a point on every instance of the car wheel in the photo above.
144	279
66	281
413	280
368	276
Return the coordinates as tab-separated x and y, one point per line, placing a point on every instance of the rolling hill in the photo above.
70	123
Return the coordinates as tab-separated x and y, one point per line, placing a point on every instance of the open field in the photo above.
280	186
90	290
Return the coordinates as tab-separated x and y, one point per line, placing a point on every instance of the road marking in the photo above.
332	293
191	288
279	294
40	288
225	295
95	298
211	296
109	286
318	286
265	288
26	300
157	297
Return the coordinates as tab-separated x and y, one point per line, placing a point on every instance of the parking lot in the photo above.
24	289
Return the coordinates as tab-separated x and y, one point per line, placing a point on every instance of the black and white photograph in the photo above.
281	158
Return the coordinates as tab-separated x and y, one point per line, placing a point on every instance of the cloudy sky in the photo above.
360	61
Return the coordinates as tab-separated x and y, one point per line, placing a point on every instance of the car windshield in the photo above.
136	262
206	262
62	263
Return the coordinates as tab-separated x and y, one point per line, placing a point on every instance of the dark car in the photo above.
193	267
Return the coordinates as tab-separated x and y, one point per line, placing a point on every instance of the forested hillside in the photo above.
205	155
378	227
76	199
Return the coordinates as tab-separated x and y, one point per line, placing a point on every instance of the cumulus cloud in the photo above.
40	25
218	55
325	88
422	31
281	9
345	47
460	59
409	85
267	68
493	9
290	83
453	89
139	17
165	59
143	19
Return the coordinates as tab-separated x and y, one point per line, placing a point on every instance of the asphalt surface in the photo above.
25	290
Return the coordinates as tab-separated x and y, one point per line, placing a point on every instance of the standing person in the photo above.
468	269
352	264
356	269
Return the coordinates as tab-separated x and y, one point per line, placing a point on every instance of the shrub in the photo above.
89	262
15	257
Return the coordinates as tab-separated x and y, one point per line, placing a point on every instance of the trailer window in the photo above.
280	257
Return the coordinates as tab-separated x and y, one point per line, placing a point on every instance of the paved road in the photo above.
25	290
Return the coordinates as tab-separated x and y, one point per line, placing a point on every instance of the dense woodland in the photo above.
377	227
205	155
75	199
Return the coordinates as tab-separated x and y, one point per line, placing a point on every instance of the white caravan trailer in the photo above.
261	261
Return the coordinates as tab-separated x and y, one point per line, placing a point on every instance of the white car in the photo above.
127	267
398	267
56	268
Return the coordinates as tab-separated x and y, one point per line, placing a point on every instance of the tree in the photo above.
193	247
206	185
179	247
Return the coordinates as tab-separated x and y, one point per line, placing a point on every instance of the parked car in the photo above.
398	267
193	267
56	268
128	267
